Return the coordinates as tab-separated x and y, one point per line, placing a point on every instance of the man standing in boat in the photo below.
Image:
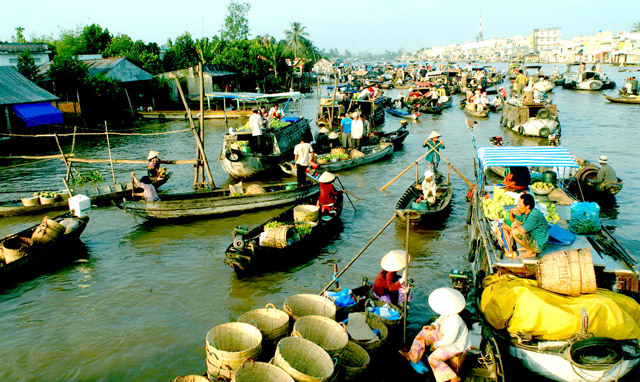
434	145
520	82
303	155
529	227
255	122
346	123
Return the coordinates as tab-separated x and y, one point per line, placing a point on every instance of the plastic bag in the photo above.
584	217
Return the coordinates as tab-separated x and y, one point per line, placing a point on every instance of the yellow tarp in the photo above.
520	306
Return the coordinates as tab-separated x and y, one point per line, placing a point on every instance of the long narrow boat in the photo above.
565	330
403	113
100	196
635	100
395	137
255	247
219	202
406	207
474	113
371	153
181	114
242	158
41	256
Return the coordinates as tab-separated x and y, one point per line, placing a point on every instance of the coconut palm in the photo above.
273	53
296	37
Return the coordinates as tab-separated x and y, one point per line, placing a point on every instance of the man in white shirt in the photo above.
275	112
357	130
303	155
255	122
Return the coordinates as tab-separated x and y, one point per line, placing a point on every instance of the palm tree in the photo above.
296	37
273	53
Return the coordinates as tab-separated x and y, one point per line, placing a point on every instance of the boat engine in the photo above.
238	237
460	281
497	140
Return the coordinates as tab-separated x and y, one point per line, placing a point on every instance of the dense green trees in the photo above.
236	25
67	74
28	68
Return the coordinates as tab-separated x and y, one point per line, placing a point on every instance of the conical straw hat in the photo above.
152	154
446	301
434	134
394	260
326	177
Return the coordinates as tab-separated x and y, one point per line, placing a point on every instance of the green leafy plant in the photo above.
92	176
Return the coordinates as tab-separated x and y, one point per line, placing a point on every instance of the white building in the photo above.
9	52
545	39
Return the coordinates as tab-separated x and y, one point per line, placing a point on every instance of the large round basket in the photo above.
353	361
303	360
568	272
305	213
261	372
280	237
388	322
324	332
48	231
272	322
300	305
232	343
14	248
375	323
191	378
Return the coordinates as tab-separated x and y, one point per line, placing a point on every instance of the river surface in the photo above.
138	304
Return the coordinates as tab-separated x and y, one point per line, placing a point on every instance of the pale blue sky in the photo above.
374	25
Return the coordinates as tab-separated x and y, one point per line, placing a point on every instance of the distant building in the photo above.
545	39
9	52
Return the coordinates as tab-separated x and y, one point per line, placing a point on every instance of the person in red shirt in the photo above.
389	286
329	195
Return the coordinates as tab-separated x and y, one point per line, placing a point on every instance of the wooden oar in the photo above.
455	169
341	185
406	277
358	255
405	170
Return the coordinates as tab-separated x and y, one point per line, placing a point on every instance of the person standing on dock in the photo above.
303	155
434	144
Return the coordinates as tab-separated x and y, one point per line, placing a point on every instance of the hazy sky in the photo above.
374	25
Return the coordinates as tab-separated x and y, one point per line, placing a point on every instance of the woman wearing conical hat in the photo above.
447	337
389	284
153	168
433	144
329	196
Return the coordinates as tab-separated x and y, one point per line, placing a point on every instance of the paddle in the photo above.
405	170
455	169
341	185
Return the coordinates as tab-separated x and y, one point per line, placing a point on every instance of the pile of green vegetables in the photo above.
303	228
329	157
584	226
274	124
91	176
46	194
493	208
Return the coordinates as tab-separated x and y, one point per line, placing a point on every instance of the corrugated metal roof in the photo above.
16	89
12	47
118	68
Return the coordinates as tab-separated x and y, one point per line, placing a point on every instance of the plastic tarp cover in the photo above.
521	307
36	114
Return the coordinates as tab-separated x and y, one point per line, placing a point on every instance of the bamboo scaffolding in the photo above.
126	161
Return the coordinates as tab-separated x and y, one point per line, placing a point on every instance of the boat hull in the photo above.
208	114
404	208
635	100
381	151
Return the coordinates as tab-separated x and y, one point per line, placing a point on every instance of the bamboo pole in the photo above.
64	159
333	102
406	278
201	120
43	157
455	169
199	144
106	131
119	161
358	255
73	141
405	170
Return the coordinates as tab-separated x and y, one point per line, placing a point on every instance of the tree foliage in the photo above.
68	74
297	39
242	57
20	35
95	39
182	54
635	27
146	56
101	97
28	68
236	25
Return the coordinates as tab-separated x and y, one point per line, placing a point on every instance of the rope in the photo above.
335	277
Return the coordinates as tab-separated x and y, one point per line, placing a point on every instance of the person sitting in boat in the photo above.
403	124
322	140
154	171
148	190
329	197
447	337
365	94
388	285
429	187
529	227
276	112
606	173
414	93
517	178
434	144
334	140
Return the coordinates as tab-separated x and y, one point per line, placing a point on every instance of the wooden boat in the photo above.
219	202
585	349
534	120
403	114
241	158
181	114
395	137
474	113
406	207
251	248
100	196
438	108
583	182
40	256
371	153
623	99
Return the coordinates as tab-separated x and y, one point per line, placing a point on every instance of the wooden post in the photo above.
201	121
106	131
73	141
333	101
129	100
198	143
406	277
335	272
64	159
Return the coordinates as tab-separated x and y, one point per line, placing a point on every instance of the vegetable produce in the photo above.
91	176
303	228
46	194
542	186
493	208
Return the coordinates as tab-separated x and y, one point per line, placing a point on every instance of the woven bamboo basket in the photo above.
303	360
191	378
324	332
375	322
567	272
389	323
300	305
272	322
232	343
261	372
48	231
217	372
353	361
14	248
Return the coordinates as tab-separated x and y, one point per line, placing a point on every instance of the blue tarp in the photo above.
36	114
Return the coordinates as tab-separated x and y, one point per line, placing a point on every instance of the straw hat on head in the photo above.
326	177
403	122
333	135
428	174
434	134
152	154
394	260
603	159
323	130
446	301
